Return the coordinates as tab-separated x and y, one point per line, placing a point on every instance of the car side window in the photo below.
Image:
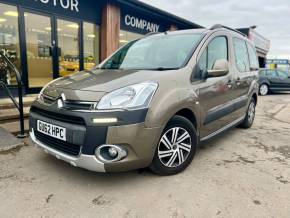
254	63
271	73
282	74
241	55
217	49
262	72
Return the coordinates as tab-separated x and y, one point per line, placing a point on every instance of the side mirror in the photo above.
220	68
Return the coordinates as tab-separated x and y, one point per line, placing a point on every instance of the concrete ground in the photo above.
8	141
243	173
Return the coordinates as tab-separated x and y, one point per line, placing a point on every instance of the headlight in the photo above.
131	97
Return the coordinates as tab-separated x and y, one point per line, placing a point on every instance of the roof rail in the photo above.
219	26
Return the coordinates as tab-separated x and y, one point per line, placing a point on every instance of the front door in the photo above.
215	96
283	80
52	48
273	78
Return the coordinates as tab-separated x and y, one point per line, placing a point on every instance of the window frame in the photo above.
205	49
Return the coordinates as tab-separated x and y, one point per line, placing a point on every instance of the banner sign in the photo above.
133	21
278	61
89	10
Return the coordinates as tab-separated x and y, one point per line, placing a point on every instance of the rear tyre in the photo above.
264	89
250	116
176	148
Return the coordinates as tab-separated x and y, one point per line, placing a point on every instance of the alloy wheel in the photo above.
174	147
264	89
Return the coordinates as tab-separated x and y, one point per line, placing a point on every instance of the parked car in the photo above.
151	103
70	64
273	81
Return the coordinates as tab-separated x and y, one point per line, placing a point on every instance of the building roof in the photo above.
262	44
158	12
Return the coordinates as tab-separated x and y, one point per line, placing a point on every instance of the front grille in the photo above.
78	105
59	117
65	147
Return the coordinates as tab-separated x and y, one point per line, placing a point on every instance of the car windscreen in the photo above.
156	52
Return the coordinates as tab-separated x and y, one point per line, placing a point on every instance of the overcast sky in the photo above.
272	17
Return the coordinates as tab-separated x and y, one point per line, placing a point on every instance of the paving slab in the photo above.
8	141
14	126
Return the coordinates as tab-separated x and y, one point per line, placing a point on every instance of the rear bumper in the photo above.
89	162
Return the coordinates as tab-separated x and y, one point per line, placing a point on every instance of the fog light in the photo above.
105	120
110	153
113	152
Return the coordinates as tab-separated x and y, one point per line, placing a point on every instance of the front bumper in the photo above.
89	162
131	134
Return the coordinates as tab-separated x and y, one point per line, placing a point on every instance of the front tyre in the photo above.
250	116
176	148
264	89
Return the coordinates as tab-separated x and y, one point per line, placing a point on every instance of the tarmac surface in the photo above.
242	173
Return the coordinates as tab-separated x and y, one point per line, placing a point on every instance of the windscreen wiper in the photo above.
164	68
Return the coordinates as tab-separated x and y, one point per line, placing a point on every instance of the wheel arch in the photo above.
188	114
255	97
264	81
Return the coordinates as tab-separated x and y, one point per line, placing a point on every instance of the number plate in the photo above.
51	130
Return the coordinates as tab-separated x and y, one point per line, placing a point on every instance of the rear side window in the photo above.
271	73
282	74
241	55
253	57
217	49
